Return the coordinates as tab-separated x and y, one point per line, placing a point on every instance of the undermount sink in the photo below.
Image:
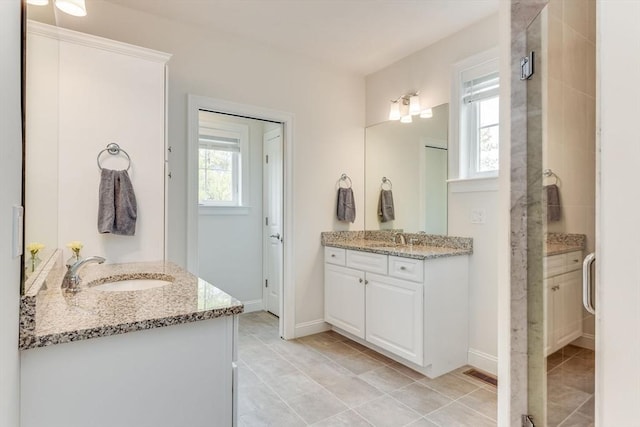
131	285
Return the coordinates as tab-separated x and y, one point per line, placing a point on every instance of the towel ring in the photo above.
114	149
344	178
387	181
548	173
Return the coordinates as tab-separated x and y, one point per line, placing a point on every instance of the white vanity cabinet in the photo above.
563	299
412	310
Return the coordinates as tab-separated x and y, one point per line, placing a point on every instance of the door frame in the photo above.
195	103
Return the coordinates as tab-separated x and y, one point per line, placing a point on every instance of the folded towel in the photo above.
552	196
386	211
117	208
346	205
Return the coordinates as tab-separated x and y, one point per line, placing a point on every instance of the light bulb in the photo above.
394	111
414	105
72	7
406	119
38	2
426	114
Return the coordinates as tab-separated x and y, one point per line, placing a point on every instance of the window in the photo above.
221	148
479	120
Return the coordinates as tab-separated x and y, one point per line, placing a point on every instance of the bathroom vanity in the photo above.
409	302
112	355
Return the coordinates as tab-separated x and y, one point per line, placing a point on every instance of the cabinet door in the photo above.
344	298
568	307
395	316
549	294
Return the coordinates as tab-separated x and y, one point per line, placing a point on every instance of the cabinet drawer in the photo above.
334	255
573	261
553	265
374	263
406	268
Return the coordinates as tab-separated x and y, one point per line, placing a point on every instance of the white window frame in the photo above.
463	151
229	131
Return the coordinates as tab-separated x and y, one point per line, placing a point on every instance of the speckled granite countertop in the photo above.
560	243
426	246
50	316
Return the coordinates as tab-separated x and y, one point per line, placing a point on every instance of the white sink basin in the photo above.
131	285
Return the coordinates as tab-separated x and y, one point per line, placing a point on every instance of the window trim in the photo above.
459	159
242	180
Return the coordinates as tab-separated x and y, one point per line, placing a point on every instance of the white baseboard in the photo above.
253	305
586	341
483	361
312	327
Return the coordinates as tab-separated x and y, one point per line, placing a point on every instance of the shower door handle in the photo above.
587	283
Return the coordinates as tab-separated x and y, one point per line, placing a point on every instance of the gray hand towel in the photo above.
552	195
386	211
346	205
117	208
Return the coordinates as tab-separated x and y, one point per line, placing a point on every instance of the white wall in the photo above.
618	202
10	176
230	246
429	71
327	136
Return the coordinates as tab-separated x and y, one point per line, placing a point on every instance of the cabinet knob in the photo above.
333	255
360	280
366	282
403	267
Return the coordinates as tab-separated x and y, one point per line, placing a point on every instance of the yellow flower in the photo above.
75	246
34	247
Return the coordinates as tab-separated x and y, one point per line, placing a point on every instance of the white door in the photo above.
344	298
272	187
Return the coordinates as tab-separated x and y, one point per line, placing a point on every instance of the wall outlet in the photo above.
478	216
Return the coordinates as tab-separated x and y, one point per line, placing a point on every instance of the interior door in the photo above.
273	201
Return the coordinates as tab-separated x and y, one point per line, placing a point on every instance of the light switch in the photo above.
478	216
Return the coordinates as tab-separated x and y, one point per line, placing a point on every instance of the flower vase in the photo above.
34	262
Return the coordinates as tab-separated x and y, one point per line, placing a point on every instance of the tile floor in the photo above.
570	387
329	380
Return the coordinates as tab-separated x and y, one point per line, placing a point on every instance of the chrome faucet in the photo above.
72	278
403	240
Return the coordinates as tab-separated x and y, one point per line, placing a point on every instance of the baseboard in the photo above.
483	361
310	328
253	305
585	341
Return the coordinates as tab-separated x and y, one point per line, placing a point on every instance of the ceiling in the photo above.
362	36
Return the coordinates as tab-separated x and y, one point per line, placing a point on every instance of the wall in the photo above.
10	176
429	71
230	246
569	146
327	135
618	202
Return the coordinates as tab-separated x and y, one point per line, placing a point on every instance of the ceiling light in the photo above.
414	104
394	111
406	119
38	2
72	7
426	114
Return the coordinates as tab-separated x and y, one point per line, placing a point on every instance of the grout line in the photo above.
575	410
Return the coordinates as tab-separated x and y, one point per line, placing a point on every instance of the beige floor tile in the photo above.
359	363
333	349
353	391
577	420
257	398
327	373
556	414
277	415
585	353
293	385
378	356
406	371
483	401
450	385
246	377
386	379
421	398
272	369
457	415
356	345
344	419
583	381
565	396
387	412
314	407
422	422
588	409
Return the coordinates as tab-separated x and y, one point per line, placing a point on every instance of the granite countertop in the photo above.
561	243
50	315
426	246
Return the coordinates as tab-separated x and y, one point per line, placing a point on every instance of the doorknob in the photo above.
587	283
277	236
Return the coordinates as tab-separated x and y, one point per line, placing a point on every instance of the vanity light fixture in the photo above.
406	106
71	7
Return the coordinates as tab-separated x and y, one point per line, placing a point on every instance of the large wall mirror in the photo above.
410	160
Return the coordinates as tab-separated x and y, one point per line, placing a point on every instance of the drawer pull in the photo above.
333	255
403	268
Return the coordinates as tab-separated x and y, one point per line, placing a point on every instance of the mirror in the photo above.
413	159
